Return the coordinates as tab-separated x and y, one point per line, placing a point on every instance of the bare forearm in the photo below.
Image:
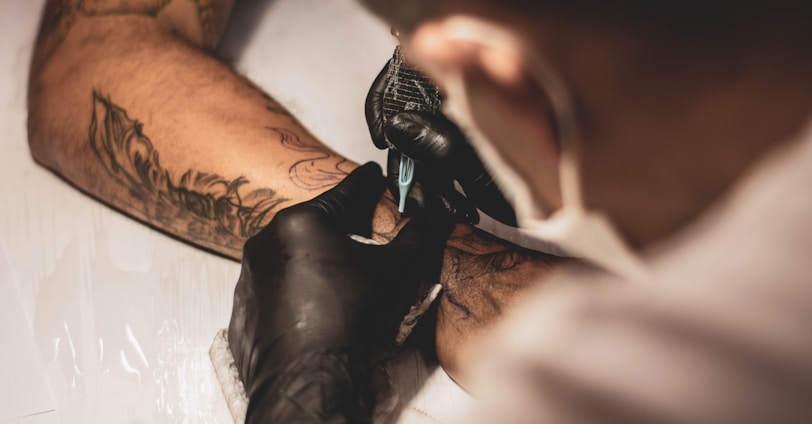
144	120
132	110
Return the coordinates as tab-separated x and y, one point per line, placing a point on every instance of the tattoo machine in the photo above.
407	89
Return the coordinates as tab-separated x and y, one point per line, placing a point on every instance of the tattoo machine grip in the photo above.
407	89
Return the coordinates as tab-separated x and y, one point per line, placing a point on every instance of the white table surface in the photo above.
123	316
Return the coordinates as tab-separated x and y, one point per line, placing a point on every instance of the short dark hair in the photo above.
408	13
667	15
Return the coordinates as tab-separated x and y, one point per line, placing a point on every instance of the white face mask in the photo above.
582	233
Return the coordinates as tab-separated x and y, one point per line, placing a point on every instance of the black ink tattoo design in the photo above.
204	207
320	170
482	274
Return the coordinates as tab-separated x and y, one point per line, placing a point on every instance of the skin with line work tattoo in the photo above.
126	103
211	207
218	211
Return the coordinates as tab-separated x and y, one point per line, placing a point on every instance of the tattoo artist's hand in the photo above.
307	286
443	155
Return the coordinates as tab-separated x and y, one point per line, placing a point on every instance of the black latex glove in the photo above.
443	155
312	307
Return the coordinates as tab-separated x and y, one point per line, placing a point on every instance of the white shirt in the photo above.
723	333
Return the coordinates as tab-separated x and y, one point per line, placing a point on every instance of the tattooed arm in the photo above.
126	104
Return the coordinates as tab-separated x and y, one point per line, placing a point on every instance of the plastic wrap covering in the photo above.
122	315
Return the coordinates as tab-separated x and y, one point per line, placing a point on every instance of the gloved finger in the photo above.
490	199
373	108
461	208
352	202
436	140
426	137
427	231
417	251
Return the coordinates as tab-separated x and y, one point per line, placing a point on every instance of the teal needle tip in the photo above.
405	178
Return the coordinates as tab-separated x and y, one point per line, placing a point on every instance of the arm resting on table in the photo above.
127	103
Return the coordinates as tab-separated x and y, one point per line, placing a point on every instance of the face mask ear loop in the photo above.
569	168
472	29
620	259
458	107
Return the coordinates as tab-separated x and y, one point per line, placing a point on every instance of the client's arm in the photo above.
126	103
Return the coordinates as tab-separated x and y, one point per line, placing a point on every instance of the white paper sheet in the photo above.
23	388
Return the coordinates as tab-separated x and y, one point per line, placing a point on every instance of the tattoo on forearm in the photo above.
203	207
320	169
482	274
388	223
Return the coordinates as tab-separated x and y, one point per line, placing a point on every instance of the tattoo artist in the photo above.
667	143
306	366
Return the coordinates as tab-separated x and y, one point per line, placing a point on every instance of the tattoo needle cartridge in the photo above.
407	89
405	179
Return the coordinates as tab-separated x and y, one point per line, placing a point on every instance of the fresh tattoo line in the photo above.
205	208
319	170
482	274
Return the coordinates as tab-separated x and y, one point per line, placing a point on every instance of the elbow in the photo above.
49	115
37	144
37	126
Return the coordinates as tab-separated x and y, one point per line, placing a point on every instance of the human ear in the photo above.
482	67
441	49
